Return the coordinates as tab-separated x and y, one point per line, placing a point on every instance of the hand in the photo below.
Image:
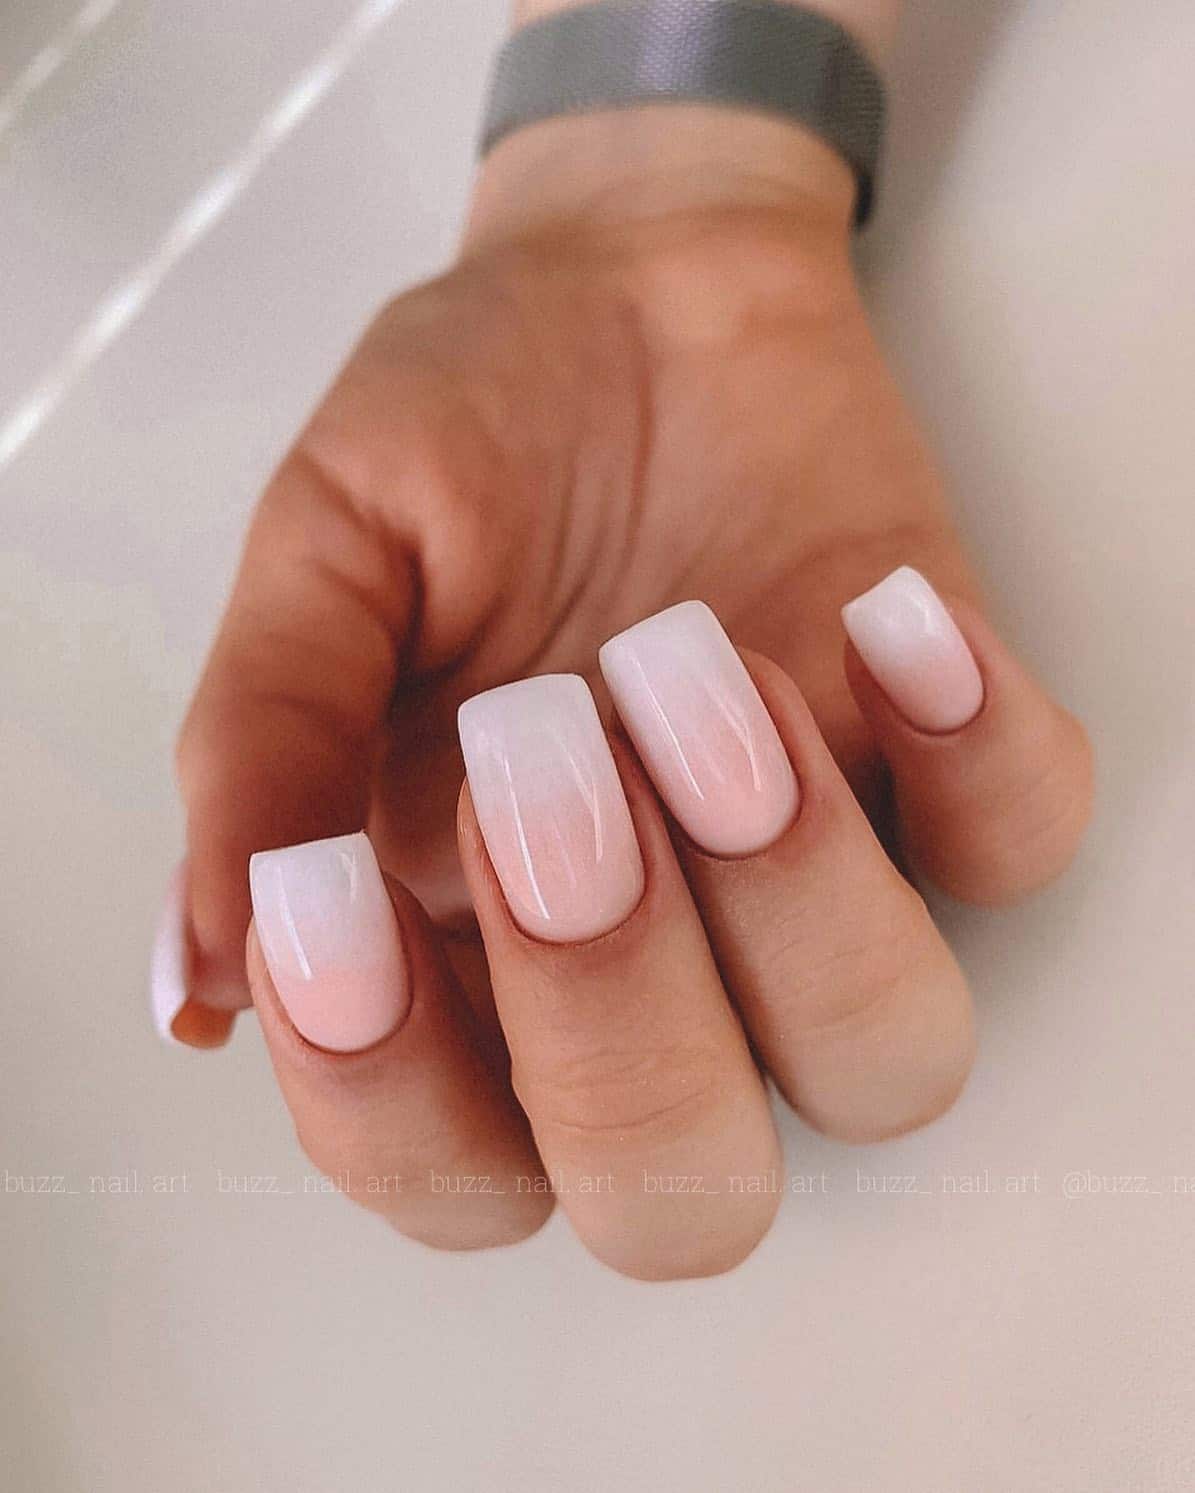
587	421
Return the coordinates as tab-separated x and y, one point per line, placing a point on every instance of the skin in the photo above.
650	377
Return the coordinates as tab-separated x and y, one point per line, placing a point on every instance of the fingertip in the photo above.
198	1026
910	644
216	911
1025	826
994	808
179	1017
896	1064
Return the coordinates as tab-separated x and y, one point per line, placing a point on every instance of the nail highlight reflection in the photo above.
915	652
701	729
169	968
551	807
330	939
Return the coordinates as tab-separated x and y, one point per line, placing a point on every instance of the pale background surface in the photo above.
1032	272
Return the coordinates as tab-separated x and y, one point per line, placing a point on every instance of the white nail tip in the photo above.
170	960
905	586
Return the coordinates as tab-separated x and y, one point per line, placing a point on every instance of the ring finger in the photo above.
853	1000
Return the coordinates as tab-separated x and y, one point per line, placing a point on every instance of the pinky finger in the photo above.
993	778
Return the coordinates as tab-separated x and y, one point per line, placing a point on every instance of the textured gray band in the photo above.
756	54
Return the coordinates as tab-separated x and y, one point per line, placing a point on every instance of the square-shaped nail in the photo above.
702	730
551	807
915	652
330	939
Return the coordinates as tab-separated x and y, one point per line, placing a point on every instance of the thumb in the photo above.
280	741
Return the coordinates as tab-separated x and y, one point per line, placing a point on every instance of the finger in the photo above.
853	1001
177	1017
372	1045
993	778
646	1106
278	746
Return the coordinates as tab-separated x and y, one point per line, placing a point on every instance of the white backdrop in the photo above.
163	328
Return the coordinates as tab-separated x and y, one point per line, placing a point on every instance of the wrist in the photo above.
871	22
658	158
638	164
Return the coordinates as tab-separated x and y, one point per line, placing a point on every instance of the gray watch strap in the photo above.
756	54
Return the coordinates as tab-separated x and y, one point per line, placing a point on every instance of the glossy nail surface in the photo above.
169	961
915	652
551	808
701	729
330	940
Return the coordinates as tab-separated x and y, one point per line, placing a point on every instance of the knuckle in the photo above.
850	980
616	1094
877	1038
1047	804
893	1068
1029	830
1063	796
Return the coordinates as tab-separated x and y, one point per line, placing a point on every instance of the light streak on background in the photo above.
125	300
46	63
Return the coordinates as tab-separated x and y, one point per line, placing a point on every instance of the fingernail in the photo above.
701	729
551	807
914	651
330	940
169	962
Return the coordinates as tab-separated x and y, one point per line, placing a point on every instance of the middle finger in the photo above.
626	1054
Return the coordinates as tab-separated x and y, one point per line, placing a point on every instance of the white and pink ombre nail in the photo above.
170	962
701	729
915	652
551	807
330	939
